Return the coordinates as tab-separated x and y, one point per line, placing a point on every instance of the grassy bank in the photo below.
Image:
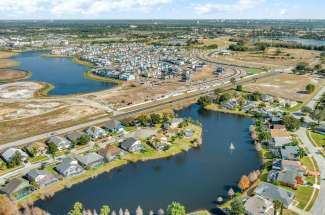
215	107
76	60
44	90
94	77
27	75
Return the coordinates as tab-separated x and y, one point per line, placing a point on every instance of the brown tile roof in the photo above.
109	150
279	133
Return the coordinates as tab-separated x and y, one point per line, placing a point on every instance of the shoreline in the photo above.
214	107
27	75
94	77
183	145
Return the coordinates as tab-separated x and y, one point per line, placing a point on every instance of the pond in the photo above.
66	76
195	178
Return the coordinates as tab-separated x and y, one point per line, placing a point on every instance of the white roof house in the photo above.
9	154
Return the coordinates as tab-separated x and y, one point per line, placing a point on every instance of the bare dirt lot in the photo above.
19	90
286	86
63	117
5	54
7	63
12	74
17	110
220	42
271	58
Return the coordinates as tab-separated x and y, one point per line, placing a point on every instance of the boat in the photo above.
232	146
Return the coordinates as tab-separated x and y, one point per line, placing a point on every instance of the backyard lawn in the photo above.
319	139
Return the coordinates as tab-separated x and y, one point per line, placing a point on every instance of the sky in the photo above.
162	9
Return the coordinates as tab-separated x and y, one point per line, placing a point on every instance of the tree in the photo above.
76	210
84	139
239	88
105	210
231	193
7	207
143	119
233	80
126	212
176	208
319	115
204	100
237	207
16	160
252	177
155	118
217	91
291	123
310	88
264	136
52	148
161	212
139	211
244	183
306	109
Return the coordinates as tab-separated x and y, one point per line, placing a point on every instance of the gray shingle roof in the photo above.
270	191
14	185
127	144
90	158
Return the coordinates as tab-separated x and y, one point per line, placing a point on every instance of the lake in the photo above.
66	76
195	178
309	42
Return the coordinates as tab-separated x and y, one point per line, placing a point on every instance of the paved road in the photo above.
319	206
312	104
137	109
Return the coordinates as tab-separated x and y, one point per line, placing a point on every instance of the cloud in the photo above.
79	8
283	12
237	6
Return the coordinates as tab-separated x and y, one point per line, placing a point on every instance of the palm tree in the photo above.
277	205
105	210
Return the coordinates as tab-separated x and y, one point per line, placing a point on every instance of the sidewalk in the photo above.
319	205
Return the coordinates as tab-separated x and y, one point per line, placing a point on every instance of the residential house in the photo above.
10	153
17	188
273	193
257	205
41	177
91	160
132	145
111	152
289	164
74	136
96	132
37	149
279	142
279	133
291	178
188	133
290	153
69	167
267	98
174	123
113	126
60	142
159	143
230	104
320	129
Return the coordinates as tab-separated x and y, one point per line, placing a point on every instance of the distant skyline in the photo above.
162	9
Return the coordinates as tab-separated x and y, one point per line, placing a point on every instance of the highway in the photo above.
136	109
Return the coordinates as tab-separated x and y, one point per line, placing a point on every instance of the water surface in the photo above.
66	76
195	178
